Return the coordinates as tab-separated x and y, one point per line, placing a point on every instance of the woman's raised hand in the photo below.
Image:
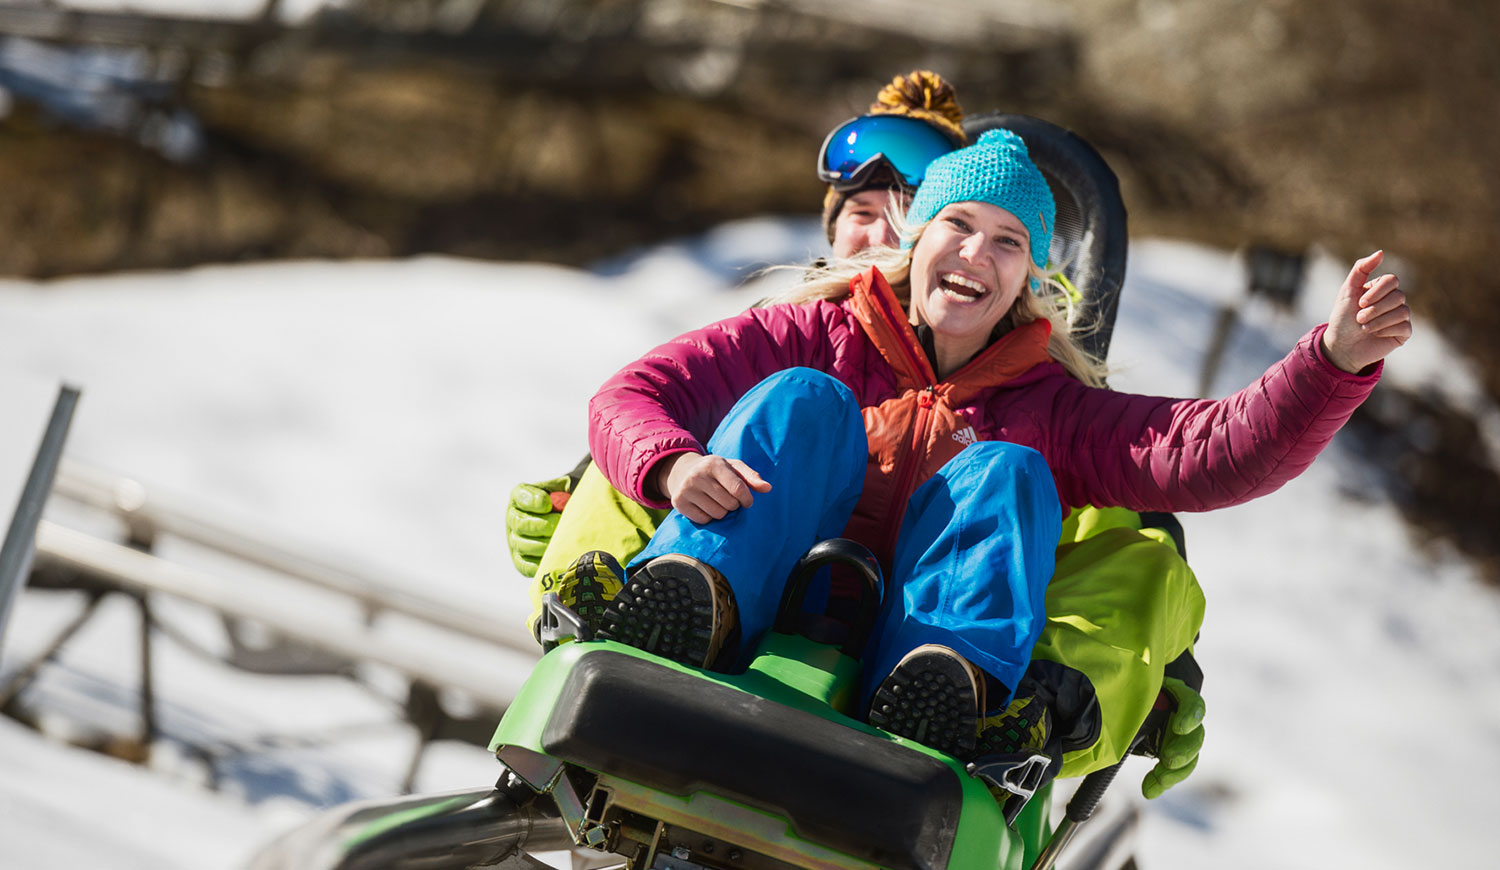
1369	320
704	488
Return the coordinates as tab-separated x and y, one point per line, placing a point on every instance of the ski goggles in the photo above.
857	147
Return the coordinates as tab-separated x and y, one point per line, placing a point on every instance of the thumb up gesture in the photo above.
1369	320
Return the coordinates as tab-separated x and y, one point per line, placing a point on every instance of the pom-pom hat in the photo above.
998	170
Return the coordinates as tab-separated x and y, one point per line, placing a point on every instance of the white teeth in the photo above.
963	281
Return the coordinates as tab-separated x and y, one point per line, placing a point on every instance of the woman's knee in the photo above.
1000	461
809	382
814	398
1015	476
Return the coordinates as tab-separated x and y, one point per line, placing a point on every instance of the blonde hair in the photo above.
1050	301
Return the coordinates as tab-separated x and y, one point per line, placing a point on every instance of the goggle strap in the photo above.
856	179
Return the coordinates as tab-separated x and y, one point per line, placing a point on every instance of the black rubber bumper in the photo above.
841	788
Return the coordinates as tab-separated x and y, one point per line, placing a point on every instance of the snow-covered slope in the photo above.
377	413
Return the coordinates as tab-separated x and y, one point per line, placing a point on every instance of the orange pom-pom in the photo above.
926	95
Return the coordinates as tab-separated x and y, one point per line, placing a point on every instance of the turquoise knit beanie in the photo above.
998	170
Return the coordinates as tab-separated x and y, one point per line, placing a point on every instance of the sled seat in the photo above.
840	787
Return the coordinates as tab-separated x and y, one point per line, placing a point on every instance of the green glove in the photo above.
531	519
1181	739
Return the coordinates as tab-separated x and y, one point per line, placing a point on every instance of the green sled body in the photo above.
677	768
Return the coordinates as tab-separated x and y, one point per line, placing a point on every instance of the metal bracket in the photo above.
539	772
1019	774
570	807
558	622
543	773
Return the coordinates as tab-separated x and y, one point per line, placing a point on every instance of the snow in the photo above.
375	415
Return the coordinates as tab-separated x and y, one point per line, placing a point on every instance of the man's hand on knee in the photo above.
531	519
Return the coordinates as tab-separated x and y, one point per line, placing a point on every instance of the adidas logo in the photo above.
966	436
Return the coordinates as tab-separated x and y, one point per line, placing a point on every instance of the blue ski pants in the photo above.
972	560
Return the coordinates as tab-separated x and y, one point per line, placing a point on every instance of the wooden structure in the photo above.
311	619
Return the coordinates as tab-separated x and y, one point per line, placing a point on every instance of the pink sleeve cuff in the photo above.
643	483
1370	374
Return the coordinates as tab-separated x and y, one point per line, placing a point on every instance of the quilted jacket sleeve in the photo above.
1150	453
671	400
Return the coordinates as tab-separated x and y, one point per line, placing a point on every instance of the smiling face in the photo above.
967	270
862	221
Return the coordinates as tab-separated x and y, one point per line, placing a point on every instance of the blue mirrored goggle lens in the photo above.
907	145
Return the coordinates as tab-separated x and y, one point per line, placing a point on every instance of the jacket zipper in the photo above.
925	400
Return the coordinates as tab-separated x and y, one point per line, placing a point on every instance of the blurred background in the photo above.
172	134
177	138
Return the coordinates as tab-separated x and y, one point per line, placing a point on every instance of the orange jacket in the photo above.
924	422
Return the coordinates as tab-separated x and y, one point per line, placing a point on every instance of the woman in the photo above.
935	409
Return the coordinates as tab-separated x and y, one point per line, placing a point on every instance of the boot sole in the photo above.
590	601
675	607
931	700
584	592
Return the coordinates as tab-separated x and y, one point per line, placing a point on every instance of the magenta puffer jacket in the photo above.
1104	448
